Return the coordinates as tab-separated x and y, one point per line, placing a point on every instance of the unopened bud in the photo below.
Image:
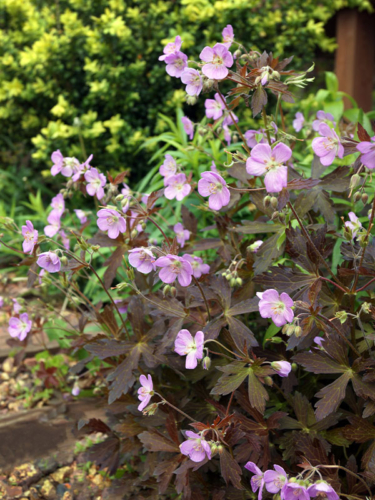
294	367
208	84
281	217
290	330
130	273
228	276
173	291
268	381
150	409
122	286
232	282
239	282
134	233
297	331
354	181
119	197
356	197
267	201
275	215
234	138
364	198
206	363
237	53
95	248
166	290
143	225
191	99
64	260
83	245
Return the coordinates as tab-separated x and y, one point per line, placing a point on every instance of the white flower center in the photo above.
215	187
278	307
217	60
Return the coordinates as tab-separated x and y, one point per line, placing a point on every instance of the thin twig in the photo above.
204	297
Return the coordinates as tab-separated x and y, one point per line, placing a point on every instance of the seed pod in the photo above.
354	181
297	331
267	201
294	367
191	100
290	330
237	53
268	381
274	202
281	217
64	260
364	198
356	197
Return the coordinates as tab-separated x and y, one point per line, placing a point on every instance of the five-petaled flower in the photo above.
182	234
196	447
19	327
176	63
274	480
294	491
328	146
193	81
95	183
322	489
189	346
197	265
171	48
111	221
298	121
62	165
257	481
31	237
188	126
173	267
176	187
254	137
54	224
214	107
271	162
322	117
218	59
49	261
58	204
283	368
168	167
228	36
146	391
81	215
368	153
214	186
142	259
275	306
354	224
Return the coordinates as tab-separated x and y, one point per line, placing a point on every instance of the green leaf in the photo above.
332	82
234	374
271	331
336	108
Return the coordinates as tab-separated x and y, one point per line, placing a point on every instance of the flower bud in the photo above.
130	273
297	331
191	99
294	367
173	291
233	282
83	245
356	197
206	363
268	381
267	201
281	217
275	215
150	409
121	286
208	84
95	248
237	53
290	330
366	307
234	138
134	233
342	316
364	198
119	197
228	276
64	260
239	282
166	290
354	181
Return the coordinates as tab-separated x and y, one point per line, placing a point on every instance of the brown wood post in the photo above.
355	56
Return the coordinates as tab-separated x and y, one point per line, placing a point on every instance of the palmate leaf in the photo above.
230	470
240	333
258	100
164	473
331	396
285	279
153	440
268	253
257	393
318	362
112	264
234	374
106	454
122	377
360	430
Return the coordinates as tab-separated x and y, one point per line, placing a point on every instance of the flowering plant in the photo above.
225	341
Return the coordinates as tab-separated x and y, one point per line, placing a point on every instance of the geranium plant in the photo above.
238	332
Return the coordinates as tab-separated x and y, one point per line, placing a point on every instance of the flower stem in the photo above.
349	472
223	346
234	121
174	407
204	297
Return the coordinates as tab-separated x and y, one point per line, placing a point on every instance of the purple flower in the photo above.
76	390
214	107
257	481
145	392
169	167
1	301
193	81
192	348
19	327
283	368
227	134
171	48
31	237
213	185
218	59
81	216
251	137
275	306
354	224
265	160
95	183
188	126
49	261
176	187
275	480
197	265
294	491
298	121
181	233
121	309
328	146
81	169
54	224
58	204
40	276
213	168
176	63
228	120
322	117
64	238
173	267
254	247
319	341
196	447
142	259
228	36
111	221
16	306
368	153
134	221
322	489
61	164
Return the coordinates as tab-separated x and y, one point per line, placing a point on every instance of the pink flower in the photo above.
181	233
257	481
145	392
121	309
54	224
265	160
40	276
64	238
142	259
1	301
176	187
251	137
294	491
171	48
173	267
368	153
58	204
61	164
298	121
169	167
228	120
135	221
196	447
228	36
197	265
254	247
328	146
81	216
214	107
354	224
227	134
218	59
76	390
49	261
275	480
81	169
188	126
213	168
95	183
19	327
31	237
192	348
16	306
275	306
322	489
193	81
176	64
322	117
111	221
213	185
283	368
